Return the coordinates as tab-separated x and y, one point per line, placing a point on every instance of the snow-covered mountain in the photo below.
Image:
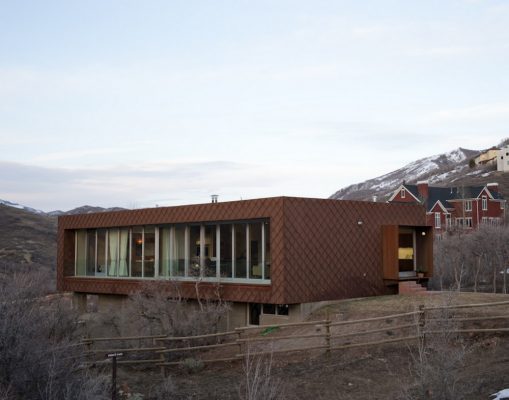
21	207
84	210
78	210
451	168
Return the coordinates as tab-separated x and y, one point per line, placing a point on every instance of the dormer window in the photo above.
403	193
484	203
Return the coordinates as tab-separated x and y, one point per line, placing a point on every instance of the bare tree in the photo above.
258	382
438	359
38	355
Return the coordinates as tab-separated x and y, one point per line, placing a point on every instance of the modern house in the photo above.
487	157
275	259
503	159
450	208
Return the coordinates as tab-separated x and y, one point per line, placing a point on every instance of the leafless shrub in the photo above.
258	382
438	359
38	355
165	390
155	310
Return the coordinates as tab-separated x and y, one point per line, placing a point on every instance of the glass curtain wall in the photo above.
228	250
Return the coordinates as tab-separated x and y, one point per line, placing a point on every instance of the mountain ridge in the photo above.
447	169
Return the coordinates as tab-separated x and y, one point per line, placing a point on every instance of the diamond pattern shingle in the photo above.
318	249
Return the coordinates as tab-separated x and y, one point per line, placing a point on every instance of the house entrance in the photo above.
255	310
406	252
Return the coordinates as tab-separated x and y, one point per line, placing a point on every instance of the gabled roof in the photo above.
445	195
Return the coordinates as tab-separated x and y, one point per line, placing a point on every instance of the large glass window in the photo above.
226	265
266	232
112	251
149	252
137	252
194	251
101	252
238	250
164	251
179	251
90	252
210	250
123	254
255	250
240	269
81	253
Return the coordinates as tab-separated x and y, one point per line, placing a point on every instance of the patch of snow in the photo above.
485	175
20	207
456	156
503	394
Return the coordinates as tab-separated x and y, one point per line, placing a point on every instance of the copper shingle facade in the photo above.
321	249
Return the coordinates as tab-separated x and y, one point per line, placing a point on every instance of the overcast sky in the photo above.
138	103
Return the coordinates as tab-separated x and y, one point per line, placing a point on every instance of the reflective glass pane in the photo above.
164	251
149	252
91	252
267	250
179	251
123	264
101	252
112	251
255	250
81	253
137	252
210	257
240	251
194	250
225	235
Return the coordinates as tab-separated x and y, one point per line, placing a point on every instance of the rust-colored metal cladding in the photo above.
320	249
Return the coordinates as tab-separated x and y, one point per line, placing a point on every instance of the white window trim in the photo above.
438	220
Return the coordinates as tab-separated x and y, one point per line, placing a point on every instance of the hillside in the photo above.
449	169
27	237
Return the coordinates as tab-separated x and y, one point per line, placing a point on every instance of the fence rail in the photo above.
246	343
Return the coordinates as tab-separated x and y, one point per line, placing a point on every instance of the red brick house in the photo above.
449	208
274	258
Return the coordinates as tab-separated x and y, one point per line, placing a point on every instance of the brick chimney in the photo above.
422	189
492	187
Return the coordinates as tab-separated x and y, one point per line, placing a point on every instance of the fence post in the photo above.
239	333
161	357
327	333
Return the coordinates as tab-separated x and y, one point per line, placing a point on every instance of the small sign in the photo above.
115	355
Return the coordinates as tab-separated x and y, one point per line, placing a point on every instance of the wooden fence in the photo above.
323	335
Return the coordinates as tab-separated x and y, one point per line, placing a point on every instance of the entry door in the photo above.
255	310
406	252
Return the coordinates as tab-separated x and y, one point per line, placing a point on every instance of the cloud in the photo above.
127	185
480	111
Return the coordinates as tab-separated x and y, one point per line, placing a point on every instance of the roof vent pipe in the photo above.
214	198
